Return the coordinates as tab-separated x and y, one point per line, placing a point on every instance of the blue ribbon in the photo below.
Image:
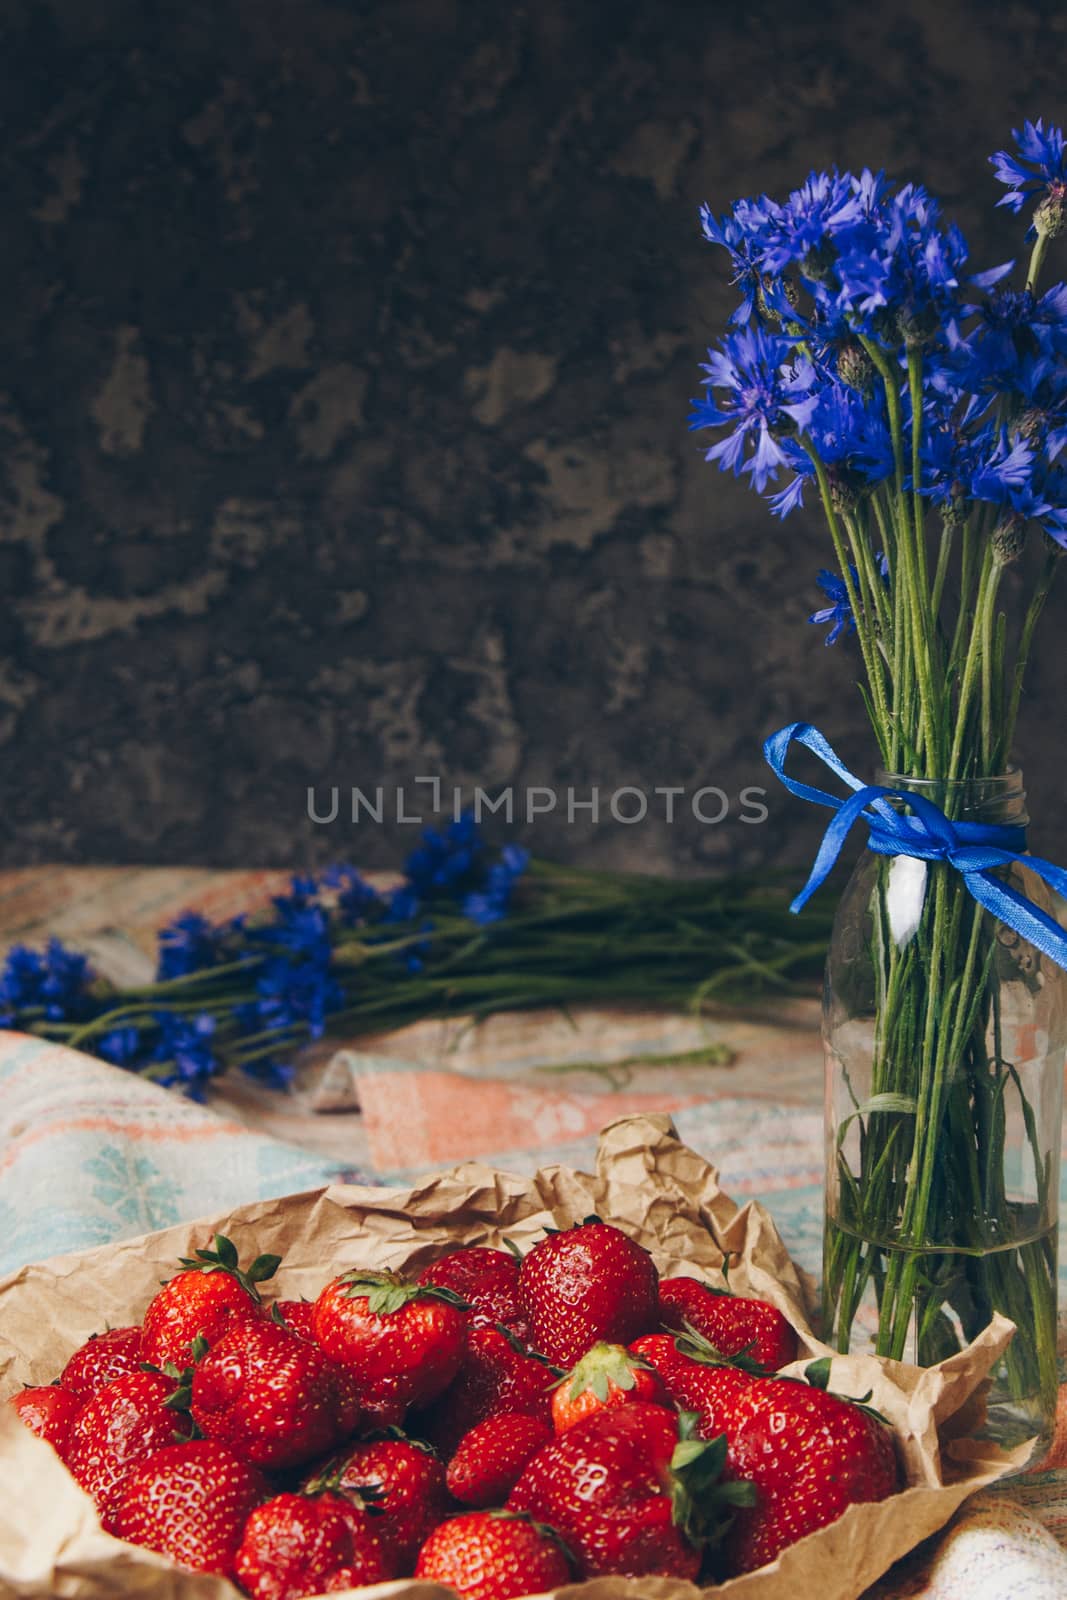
973	848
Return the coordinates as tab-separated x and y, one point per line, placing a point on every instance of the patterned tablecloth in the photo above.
89	1154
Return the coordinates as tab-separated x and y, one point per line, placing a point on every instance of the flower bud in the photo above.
1030	427
844	491
855	367
1050	218
954	512
1009	537
917	328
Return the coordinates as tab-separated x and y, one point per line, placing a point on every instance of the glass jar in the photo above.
945	1035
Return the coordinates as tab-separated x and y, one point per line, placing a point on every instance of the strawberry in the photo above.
810	1454
489	1282
297	1545
49	1412
402	1480
401	1342
607	1375
493	1555
101	1359
630	1496
490	1459
497	1374
720	1393
586	1284
120	1426
190	1502
730	1322
275	1399
203	1300
296	1315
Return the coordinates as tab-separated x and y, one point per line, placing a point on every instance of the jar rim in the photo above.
1001	783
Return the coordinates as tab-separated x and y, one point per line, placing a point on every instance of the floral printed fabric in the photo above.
89	1154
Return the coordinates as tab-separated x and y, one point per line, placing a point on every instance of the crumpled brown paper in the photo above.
663	1194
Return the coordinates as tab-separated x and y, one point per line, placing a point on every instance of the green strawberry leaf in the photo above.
387	1292
817	1373
525	1350
384	1299
226	1251
509	1244
702	1505
224	1258
264	1267
692	1344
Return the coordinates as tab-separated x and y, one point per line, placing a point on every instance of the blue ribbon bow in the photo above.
973	848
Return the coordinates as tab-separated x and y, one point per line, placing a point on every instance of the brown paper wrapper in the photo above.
661	1193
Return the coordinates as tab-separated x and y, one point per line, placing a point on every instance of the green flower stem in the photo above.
871	658
1022	658
1037	259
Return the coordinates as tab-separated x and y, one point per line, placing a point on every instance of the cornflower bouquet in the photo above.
923	407
467	931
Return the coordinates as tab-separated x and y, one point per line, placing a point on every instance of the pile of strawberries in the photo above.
497	1425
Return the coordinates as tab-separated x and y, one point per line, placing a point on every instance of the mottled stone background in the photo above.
346	352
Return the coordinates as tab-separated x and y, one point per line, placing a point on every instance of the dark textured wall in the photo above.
346	351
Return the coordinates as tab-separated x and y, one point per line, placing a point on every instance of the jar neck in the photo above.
999	801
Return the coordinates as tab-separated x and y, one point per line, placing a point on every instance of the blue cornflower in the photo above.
358	900
402	904
183	1053
1040	165
123	1047
1042	385
1013	327
728	233
850	436
190	944
1002	471
1045	504
961	463
761	400
301	926
297	993
445	858
491	903
808	221
901	275
56	982
839	611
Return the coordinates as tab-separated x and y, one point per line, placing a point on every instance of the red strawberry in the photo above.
810	1455
49	1412
489	1282
101	1359
296	1315
607	1375
490	1555
586	1284
497	1374
203	1300
190	1502
120	1426
297	1544
490	1459
627	1494
730	1322
720	1393
402	1479
401	1342
275	1399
